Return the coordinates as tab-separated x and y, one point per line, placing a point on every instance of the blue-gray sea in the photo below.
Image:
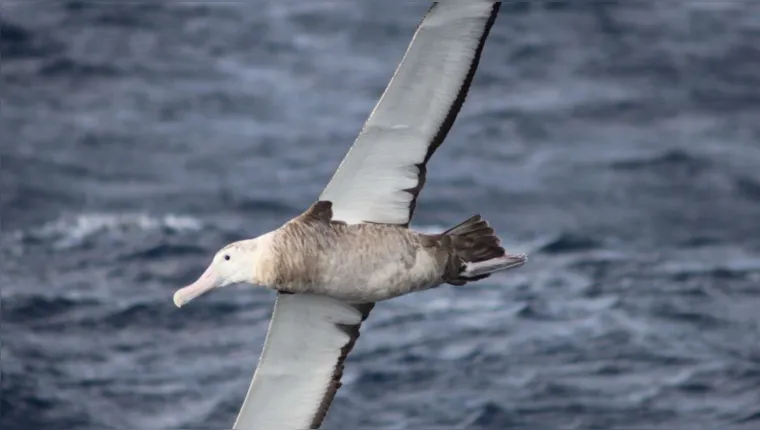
616	142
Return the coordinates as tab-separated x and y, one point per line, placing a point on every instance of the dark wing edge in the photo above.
353	332
451	116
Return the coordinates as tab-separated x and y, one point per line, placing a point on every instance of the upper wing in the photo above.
384	171
302	362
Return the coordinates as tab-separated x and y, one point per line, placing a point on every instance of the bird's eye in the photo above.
226	257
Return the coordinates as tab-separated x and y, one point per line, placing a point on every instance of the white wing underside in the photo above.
298	362
309	336
370	182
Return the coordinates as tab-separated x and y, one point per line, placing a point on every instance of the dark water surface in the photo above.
616	142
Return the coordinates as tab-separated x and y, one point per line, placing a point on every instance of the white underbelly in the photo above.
380	279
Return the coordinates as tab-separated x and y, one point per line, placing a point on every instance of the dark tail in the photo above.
475	252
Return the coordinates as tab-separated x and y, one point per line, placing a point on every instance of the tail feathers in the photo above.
476	252
474	222
474	240
482	269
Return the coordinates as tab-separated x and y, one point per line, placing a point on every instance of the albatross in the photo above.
353	246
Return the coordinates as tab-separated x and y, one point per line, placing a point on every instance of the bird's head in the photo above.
235	263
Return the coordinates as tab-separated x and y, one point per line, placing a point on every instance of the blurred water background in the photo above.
615	141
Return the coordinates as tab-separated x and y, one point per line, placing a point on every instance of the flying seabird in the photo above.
352	247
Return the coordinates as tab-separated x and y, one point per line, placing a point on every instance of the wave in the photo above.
19	42
569	242
67	66
666	161
70	232
34	308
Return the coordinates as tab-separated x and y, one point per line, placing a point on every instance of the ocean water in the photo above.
618	143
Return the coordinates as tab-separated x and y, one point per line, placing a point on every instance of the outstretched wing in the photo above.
302	362
378	181
382	174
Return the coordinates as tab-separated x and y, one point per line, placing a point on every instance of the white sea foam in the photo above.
68	232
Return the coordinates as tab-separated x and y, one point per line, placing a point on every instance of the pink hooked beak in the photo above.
207	282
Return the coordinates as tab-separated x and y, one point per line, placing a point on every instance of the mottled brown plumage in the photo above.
363	263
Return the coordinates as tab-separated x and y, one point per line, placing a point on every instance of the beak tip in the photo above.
178	301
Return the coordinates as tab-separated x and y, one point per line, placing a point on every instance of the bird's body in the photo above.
368	262
357	263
